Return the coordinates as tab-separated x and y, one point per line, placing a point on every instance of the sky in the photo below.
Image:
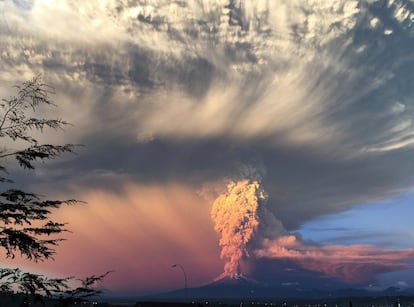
269	139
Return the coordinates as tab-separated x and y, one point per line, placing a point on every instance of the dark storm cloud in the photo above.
327	110
302	186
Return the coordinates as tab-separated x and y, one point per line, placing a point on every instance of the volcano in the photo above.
242	287
235	287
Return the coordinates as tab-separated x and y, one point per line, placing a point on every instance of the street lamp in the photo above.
182	269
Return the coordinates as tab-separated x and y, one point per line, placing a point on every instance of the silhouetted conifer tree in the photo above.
27	227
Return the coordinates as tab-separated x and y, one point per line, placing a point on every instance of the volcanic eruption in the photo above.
236	220
248	230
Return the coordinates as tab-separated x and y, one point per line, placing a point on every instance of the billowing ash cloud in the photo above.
249	231
348	263
236	220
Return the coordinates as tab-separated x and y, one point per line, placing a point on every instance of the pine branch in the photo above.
19	208
31	283
25	224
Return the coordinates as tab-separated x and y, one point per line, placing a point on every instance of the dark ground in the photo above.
20	300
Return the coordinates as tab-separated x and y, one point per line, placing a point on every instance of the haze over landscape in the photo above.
269	140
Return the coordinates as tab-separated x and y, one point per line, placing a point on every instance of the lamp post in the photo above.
182	269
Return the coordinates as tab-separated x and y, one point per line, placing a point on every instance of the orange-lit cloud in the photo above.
349	263
236	221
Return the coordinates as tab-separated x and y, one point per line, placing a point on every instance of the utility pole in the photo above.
182	269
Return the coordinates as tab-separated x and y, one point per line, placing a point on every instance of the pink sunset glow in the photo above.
138	233
350	263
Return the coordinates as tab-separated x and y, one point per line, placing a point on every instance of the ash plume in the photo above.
248	231
236	219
